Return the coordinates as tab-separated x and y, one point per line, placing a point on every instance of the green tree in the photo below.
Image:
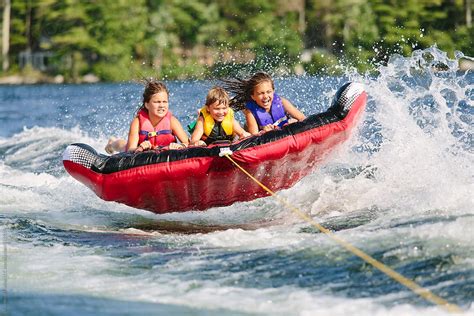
178	26
406	25
345	28
256	25
123	39
63	26
20	30
86	36
118	29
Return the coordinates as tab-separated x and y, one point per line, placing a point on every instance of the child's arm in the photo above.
178	131
252	125
238	130
292	110
198	132
132	142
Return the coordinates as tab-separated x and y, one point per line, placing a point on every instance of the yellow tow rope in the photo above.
423	292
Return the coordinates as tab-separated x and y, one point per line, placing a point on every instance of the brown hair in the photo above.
217	94
152	87
243	88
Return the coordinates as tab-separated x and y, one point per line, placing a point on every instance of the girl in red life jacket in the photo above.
264	110
154	125
216	120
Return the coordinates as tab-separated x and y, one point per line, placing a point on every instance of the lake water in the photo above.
401	189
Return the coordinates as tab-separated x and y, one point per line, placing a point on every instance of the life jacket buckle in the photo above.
151	134
225	151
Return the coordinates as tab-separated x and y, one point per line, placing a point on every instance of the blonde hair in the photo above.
217	94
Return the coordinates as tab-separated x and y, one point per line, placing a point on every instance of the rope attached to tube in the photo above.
423	292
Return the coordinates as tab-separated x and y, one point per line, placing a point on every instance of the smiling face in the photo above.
157	106
263	95
218	110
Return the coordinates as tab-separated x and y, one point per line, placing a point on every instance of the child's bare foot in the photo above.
109	148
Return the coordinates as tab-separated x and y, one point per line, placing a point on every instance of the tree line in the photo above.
125	39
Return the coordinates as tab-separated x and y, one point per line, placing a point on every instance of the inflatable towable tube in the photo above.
198	178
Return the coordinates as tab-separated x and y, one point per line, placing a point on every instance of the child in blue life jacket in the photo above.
154	126
264	110
216	120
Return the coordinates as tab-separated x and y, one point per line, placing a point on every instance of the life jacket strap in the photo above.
155	133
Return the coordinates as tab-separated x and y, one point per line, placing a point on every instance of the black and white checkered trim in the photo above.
349	95
80	155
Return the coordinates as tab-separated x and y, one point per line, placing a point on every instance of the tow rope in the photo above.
423	292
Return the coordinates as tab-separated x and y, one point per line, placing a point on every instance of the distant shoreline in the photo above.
18	79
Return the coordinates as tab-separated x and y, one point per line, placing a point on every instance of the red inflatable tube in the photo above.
199	178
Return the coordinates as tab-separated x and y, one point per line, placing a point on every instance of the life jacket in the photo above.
276	116
215	131
160	135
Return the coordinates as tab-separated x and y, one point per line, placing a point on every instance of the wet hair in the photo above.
152	87
217	94
243	88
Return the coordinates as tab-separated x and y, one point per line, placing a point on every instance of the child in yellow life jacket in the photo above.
154	125
216	120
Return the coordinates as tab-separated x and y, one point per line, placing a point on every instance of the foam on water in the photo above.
415	148
166	277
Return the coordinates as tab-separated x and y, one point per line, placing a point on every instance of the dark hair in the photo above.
243	88
152	87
